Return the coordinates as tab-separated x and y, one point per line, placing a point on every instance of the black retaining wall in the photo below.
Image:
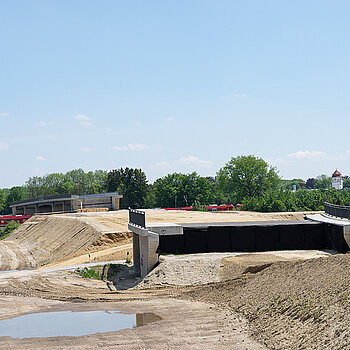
256	237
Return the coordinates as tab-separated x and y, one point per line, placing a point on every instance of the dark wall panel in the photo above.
337	238
267	238
171	244
218	239
195	240
292	237
254	238
315	237
242	238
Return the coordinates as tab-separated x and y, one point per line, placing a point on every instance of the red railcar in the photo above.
19	219
228	207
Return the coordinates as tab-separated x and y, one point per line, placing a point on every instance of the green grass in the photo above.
100	272
90	273
8	229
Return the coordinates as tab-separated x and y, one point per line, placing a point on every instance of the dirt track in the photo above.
298	304
184	324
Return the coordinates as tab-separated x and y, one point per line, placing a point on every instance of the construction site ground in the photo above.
274	300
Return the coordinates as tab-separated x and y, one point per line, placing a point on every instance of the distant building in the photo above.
66	203
337	180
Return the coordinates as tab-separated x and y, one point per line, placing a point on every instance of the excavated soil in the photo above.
251	301
290	304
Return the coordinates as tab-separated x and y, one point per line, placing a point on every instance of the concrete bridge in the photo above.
153	238
66	203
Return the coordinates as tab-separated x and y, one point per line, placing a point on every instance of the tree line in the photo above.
247	180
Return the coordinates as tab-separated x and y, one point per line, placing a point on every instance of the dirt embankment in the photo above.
290	304
298	304
61	237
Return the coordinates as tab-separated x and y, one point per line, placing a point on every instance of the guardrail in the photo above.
137	217
339	211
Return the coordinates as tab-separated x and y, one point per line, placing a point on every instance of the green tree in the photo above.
310	183
323	181
14	194
288	184
247	176
2	202
346	182
132	183
180	190
75	181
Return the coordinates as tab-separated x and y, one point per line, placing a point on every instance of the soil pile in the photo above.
50	238
290	304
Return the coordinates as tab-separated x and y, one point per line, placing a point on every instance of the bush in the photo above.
9	228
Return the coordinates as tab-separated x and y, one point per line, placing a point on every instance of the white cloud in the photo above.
3	146
136	123
84	120
307	155
80	116
44	124
40	158
193	161
4	115
87	149
189	163
169	119
131	147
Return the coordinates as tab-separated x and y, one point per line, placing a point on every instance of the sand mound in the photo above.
201	269
301	304
54	237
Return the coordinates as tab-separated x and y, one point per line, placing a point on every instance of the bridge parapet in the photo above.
339	211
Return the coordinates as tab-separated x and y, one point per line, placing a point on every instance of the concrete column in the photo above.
24	210
14	211
144	255
148	253
136	252
115	203
36	210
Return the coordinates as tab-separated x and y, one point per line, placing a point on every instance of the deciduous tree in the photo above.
247	176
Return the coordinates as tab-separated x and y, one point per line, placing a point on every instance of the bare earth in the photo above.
277	300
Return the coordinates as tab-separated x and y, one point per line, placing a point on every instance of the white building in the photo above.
337	180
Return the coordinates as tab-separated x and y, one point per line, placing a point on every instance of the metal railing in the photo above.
339	211
137	217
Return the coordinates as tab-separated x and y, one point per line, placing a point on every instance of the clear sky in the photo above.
173	86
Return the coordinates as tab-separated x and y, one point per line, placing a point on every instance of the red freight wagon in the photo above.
19	219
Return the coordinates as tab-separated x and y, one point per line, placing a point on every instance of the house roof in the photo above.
336	174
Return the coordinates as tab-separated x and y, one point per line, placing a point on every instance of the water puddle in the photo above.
68	323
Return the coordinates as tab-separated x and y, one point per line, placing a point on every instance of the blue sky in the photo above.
173	86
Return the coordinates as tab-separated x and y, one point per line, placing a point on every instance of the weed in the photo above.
90	273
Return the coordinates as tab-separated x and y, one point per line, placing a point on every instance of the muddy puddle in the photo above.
68	323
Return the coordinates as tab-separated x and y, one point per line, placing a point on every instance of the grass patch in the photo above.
99	272
90	273
8	229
